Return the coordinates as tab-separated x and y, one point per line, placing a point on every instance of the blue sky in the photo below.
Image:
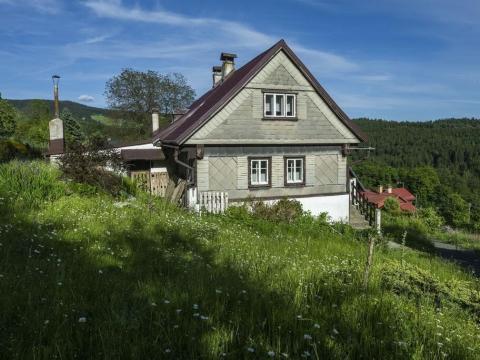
400	60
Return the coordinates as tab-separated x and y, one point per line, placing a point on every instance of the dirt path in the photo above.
464	257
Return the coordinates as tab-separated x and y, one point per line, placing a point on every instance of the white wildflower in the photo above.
250	349
316	326
82	319
271	353
307	337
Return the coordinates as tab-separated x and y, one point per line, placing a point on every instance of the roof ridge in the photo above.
210	102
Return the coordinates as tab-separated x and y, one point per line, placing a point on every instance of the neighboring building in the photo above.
144	162
267	130
404	197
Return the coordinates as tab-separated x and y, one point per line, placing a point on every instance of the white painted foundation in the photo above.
336	206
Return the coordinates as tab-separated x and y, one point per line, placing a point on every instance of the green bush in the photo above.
11	149
392	206
284	210
431	219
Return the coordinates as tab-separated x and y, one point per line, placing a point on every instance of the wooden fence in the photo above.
213	201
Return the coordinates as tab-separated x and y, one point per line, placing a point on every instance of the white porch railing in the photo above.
213	201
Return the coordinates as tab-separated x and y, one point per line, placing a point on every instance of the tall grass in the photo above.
30	183
94	277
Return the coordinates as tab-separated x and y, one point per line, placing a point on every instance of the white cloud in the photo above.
114	9
198	29
86	98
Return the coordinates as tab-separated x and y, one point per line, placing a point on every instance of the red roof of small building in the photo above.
403	196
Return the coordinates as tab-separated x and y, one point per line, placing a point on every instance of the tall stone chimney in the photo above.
155	121
228	64
56	144
216	75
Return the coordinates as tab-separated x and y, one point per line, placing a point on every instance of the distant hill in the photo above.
80	111
94	120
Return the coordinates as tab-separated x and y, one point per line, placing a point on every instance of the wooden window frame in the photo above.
284	95
269	172
285	172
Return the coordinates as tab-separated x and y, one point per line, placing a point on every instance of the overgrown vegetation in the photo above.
96	276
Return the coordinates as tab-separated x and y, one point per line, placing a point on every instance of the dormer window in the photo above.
280	105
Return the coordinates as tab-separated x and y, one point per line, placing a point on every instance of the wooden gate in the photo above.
158	183
154	182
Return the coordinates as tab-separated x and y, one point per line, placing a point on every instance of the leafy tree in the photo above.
137	93
423	181
431	218
8	117
72	130
33	124
372	174
456	210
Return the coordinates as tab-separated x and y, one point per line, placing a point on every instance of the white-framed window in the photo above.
295	170
260	172
280	105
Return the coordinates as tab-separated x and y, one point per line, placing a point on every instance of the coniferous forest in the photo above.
437	160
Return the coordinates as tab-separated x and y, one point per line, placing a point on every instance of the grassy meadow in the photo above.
84	275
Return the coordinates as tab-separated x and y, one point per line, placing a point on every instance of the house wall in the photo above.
226	169
241	121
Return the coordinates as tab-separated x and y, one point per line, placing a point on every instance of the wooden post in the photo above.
378	220
368	265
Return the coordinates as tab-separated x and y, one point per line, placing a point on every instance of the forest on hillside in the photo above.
438	160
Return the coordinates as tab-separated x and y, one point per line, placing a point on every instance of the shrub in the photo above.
392	205
284	210
95	164
11	149
431	219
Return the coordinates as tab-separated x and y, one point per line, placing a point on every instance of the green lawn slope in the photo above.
84	275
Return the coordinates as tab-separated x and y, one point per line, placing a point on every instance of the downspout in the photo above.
190	169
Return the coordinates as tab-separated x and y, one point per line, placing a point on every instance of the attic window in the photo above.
280	105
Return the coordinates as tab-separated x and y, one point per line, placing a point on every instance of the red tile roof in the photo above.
214	99
403	196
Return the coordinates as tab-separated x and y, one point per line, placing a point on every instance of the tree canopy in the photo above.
72	130
8	116
138	93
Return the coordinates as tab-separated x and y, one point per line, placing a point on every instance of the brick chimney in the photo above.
228	64
155	121
216	75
